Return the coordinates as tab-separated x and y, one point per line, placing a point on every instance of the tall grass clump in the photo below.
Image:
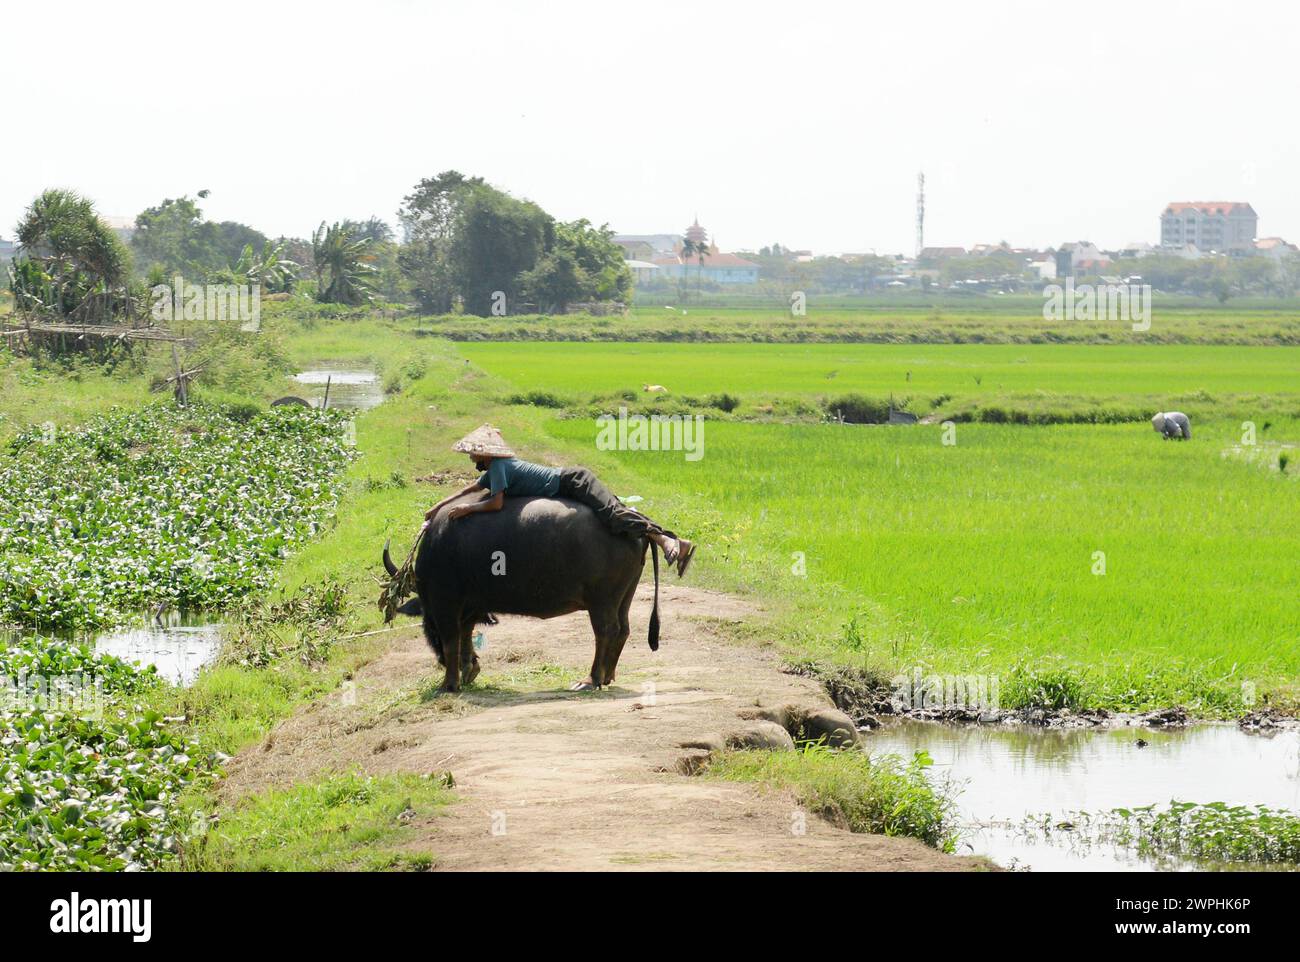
880	795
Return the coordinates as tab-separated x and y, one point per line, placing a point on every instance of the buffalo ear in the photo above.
412	607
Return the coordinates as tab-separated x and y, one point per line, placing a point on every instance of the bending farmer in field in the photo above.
1173	424
505	476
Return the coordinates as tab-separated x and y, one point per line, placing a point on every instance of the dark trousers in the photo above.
579	484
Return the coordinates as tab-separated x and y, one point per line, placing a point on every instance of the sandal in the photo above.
685	552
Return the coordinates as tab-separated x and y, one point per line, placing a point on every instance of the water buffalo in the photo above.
542	557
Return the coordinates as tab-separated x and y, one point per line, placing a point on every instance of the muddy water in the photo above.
178	647
1007	774
354	389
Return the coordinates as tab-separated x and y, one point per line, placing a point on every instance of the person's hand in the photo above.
459	511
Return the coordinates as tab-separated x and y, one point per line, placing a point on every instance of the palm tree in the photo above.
342	259
69	250
689	249
702	251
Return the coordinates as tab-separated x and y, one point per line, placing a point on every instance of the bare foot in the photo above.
584	685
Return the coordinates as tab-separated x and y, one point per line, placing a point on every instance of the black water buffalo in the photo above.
542	557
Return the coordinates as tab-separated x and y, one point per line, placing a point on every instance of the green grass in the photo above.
340	823
37	393
880	795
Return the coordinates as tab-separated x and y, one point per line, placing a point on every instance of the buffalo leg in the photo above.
615	647
604	625
449	630
469	666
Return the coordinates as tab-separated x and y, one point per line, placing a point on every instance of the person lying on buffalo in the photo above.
506	476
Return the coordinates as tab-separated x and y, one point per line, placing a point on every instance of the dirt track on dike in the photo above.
548	779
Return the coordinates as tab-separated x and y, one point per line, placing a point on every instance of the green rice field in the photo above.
922	370
1148	572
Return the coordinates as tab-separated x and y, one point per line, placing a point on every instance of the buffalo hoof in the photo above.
585	685
470	673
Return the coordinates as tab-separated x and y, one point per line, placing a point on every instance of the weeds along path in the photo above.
551	779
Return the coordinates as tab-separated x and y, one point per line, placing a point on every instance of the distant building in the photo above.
1188	252
7	250
1276	248
716	266
1211	225
1041	263
1077	258
1137	249
642	270
647	246
932	254
654	256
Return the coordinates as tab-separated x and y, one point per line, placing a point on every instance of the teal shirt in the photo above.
520	479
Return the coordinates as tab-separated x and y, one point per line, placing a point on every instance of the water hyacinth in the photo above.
191	507
90	786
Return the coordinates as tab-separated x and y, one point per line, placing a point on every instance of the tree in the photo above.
702	250
430	216
70	261
175	237
342	275
270	268
466	241
699	250
498	238
688	251
582	264
374	229
556	282
382	255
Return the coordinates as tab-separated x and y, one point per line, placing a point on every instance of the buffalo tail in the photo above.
654	612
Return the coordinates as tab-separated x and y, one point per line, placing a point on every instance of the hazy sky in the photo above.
801	123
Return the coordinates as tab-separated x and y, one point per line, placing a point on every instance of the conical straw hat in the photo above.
484	439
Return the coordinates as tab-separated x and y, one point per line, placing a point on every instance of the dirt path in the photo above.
548	779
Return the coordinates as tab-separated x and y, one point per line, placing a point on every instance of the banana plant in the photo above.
343	274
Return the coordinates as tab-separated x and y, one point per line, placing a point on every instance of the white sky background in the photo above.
799	123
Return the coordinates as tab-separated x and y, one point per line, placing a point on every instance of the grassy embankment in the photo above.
915	320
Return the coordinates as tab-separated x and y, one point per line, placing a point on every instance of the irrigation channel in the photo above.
1008	776
353	389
